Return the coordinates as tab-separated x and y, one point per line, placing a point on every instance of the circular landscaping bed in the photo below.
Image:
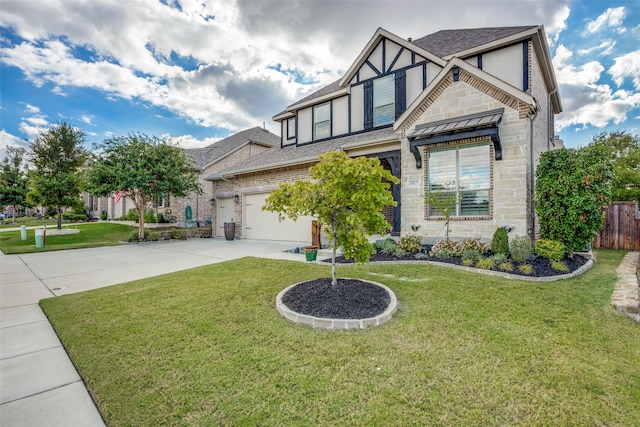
351	304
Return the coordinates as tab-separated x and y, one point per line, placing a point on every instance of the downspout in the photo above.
532	177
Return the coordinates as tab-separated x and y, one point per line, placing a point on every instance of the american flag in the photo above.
118	196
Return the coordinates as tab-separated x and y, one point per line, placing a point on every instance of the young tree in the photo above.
573	190
13	179
58	155
346	195
144	168
624	149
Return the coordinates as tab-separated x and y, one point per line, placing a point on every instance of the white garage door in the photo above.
225	210
264	225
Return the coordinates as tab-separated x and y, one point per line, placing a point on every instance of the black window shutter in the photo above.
368	105
401	92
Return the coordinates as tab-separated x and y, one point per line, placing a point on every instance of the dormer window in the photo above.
321	121
384	100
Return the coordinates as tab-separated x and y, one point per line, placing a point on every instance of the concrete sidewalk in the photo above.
39	386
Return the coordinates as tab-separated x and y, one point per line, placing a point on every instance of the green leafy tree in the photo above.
58	156
347	196
145	168
444	203
624	149
13	179
573	190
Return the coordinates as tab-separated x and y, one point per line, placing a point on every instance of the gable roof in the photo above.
448	42
409	116
202	157
440	47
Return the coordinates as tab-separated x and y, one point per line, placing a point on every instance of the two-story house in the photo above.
458	112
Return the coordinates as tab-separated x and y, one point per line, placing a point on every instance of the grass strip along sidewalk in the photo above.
207	347
90	236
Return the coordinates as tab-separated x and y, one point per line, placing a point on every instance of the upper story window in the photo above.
465	172
321	121
384	100
291	128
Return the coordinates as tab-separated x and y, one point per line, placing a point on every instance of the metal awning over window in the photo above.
471	126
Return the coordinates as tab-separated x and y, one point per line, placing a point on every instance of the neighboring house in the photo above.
208	160
235	149
466	112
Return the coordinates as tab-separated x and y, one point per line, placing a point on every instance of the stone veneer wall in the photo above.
509	175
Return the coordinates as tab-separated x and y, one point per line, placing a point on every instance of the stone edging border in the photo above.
626	294
545	279
337	324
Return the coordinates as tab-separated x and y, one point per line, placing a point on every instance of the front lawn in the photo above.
90	235
207	347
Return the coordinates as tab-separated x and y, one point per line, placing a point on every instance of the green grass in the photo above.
207	347
91	235
28	221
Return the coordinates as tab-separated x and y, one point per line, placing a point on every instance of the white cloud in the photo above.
88	119
612	17
188	141
606	47
587	101
626	66
214	62
6	140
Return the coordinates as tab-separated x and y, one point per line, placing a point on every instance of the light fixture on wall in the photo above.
415	227
213	202
236	198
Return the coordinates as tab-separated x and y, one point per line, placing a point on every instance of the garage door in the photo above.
263	225
225	210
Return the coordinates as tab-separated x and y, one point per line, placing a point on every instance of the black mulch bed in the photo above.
541	266
349	299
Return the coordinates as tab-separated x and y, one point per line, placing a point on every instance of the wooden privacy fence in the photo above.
621	228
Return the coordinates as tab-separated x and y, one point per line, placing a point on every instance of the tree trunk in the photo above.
334	277
141	222
59	218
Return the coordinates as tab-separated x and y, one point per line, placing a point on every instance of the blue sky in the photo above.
197	70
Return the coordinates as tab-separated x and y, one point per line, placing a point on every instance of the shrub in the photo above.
559	266
132	215
468	262
505	266
399	252
73	216
471	255
573	189
149	217
500	243
103	215
410	244
521	248
153	236
526	269
386	246
552	250
486	263
447	249
500	258
421	255
475	244
178	234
